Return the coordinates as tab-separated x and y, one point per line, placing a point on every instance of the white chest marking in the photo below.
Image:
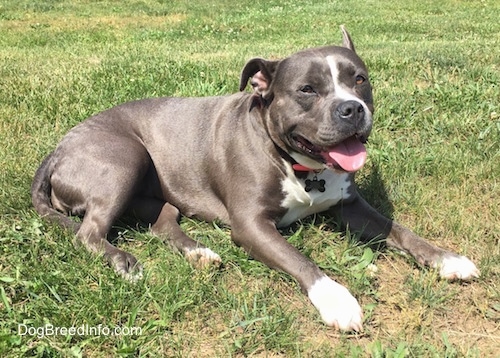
300	203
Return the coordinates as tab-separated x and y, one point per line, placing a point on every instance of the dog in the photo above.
257	161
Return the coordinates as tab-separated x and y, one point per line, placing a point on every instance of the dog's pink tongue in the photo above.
350	155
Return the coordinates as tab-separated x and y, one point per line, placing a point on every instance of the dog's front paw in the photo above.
338	308
454	267
126	265
203	257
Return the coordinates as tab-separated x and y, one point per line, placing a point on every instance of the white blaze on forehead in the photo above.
341	91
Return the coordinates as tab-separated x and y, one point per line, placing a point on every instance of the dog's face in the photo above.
317	105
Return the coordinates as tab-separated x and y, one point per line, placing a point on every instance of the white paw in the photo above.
203	257
457	268
132	277
338	308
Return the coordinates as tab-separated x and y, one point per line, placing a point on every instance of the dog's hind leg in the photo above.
104	202
164	221
98	183
92	235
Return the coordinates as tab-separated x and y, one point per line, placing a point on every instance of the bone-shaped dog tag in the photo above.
315	184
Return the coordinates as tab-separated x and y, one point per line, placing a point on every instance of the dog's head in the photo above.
317	104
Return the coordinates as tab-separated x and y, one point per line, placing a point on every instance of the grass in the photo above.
433	165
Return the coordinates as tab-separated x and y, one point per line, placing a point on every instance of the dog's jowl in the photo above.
256	161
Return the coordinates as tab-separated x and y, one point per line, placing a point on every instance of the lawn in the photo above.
434	165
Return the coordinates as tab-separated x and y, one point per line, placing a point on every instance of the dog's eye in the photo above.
360	79
307	89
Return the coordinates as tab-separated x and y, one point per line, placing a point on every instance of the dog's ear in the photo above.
262	72
259	83
346	39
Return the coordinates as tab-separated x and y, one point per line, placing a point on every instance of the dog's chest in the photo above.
300	202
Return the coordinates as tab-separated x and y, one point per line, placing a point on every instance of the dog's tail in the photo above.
40	196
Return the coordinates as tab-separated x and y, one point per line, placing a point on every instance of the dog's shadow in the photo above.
373	189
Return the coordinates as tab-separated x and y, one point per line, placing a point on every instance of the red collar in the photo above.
301	168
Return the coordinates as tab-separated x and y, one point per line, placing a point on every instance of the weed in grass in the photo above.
377	350
427	289
258	326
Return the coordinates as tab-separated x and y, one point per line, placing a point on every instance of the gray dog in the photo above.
256	161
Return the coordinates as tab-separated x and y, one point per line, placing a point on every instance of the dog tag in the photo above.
315	184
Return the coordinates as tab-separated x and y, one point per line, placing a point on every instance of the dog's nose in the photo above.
350	110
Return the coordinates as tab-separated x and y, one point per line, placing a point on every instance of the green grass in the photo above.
433	165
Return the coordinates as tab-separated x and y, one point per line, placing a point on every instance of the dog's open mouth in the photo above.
349	155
